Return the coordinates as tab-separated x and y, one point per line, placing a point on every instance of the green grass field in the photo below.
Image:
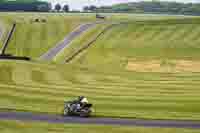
154	40
147	69
43	88
22	127
33	39
79	42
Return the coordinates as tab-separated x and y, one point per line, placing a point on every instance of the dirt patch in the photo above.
163	66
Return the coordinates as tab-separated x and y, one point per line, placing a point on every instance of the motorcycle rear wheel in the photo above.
66	112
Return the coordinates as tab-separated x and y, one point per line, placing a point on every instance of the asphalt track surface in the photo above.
50	54
26	116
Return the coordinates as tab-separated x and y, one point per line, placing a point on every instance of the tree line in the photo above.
132	7
30	5
22	5
149	7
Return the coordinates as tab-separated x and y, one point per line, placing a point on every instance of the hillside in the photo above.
24	5
23	1
32	38
146	69
43	88
170	45
160	7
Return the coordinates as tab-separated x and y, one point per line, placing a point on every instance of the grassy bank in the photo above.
34	38
160	41
137	70
79	43
43	88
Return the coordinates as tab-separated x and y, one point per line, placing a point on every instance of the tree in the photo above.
57	7
24	6
44	7
86	8
66	8
92	8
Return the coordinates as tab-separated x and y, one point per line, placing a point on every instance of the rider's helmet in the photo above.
84	100
80	98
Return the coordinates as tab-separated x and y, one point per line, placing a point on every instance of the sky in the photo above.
78	4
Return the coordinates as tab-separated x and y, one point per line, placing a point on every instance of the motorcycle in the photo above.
76	109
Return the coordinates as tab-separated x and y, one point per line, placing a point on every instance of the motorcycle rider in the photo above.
81	102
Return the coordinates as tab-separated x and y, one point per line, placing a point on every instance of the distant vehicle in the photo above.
100	16
75	108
